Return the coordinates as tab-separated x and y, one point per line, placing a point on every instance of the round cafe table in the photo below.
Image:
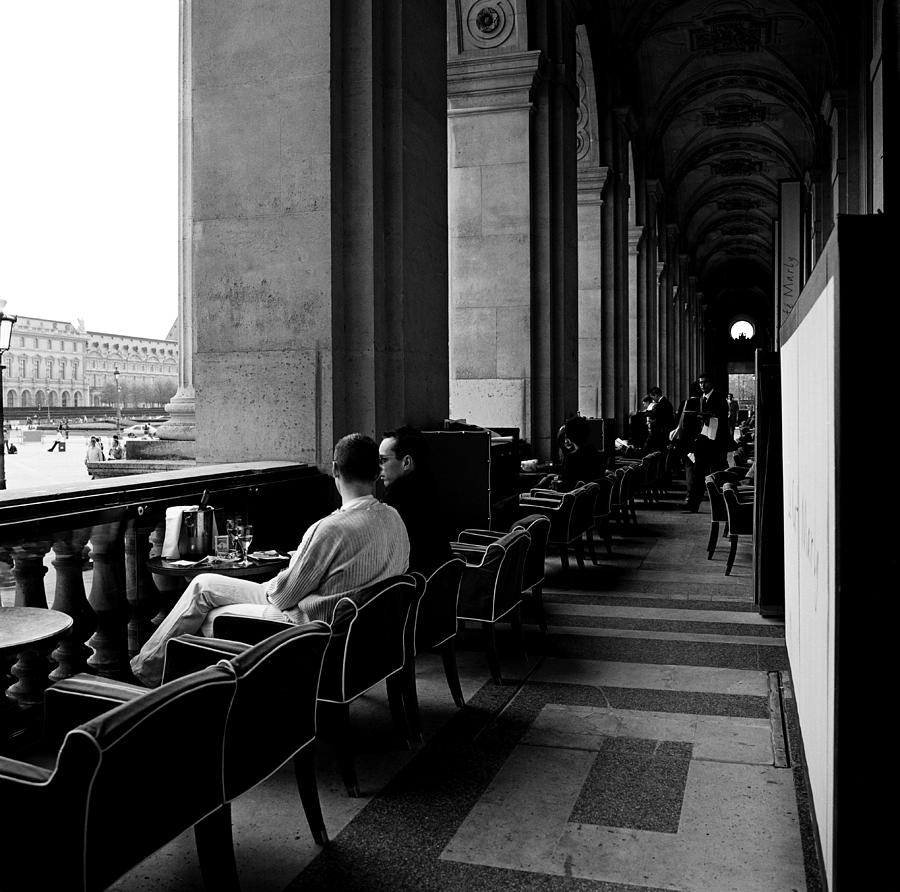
23	630
258	570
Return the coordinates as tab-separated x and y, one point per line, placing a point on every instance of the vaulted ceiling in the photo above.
726	96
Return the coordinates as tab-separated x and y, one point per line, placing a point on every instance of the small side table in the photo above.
25	631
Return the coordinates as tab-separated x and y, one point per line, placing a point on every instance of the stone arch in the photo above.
52	398
76	399
11	399
26	397
64	399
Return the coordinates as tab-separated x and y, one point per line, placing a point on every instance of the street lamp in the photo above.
48	397
6	327
118	402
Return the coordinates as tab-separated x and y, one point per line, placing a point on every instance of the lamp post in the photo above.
118	402
48	397
6	327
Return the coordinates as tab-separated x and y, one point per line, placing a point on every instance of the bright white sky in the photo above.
89	162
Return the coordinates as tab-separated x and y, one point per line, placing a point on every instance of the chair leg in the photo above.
515	619
339	726
490	649
215	851
579	552
411	701
537	598
308	788
590	545
731	554
713	539
395	686
448	654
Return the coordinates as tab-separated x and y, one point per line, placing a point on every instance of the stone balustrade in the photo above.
83	550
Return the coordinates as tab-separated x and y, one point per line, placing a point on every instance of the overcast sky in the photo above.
89	162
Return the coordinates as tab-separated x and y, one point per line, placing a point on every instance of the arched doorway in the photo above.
26	397
64	399
11	399
76	399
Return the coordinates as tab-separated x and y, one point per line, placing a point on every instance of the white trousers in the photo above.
207	596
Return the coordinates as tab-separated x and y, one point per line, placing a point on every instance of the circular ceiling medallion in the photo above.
490	22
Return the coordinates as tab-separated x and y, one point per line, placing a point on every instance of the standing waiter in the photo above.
710	450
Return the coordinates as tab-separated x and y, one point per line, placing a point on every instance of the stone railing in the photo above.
83	550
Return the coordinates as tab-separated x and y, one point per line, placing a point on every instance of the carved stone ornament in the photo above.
735	114
490	23
730	34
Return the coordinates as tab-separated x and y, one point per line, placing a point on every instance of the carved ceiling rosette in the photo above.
489	23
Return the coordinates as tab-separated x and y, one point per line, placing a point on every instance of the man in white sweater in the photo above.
359	544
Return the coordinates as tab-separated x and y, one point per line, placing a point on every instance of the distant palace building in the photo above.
60	364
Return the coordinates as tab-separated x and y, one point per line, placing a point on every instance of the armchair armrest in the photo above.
471	553
82	697
478	537
188	653
13	770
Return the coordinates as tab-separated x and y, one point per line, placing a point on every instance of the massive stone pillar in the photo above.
181	425
318	188
592	178
513	216
636	316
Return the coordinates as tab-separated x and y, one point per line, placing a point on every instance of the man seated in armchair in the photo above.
359	544
409	488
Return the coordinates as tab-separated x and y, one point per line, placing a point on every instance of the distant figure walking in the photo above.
117	450
94	453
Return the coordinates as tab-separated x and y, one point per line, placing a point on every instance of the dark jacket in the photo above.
414	498
582	465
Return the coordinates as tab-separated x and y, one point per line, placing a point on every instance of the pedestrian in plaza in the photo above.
94	453
58	439
116	450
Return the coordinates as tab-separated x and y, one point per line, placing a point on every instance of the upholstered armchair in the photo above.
123	785
571	517
740	520
491	588
368	645
538	528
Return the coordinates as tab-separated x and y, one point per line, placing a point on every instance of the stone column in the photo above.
591	184
181	425
318	223
620	296
636	315
672	384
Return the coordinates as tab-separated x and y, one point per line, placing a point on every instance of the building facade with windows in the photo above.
52	363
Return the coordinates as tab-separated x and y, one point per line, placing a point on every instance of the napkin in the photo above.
173	530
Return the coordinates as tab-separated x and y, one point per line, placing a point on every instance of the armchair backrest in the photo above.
434	614
740	514
583	510
718	511
274	711
603	503
368	638
538	528
131	780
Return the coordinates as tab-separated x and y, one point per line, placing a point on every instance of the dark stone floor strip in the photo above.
552	596
664	625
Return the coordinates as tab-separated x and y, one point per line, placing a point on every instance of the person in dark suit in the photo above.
710	447
409	488
662	411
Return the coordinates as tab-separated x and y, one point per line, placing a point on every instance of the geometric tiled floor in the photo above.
640	746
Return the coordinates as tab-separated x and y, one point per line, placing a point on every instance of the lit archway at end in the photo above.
742	329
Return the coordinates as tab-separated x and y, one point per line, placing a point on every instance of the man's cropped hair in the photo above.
409	441
655	391
356	458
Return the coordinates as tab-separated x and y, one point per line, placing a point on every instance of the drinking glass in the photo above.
244	534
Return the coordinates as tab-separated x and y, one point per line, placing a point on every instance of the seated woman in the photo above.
582	461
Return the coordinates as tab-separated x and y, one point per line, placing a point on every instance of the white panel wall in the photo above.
808	411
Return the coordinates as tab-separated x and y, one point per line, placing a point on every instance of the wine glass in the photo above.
244	535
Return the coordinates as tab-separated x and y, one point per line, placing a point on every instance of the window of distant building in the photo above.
49	368
36	364
62	369
22	362
75	372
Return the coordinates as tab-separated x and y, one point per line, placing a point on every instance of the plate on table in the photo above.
267	556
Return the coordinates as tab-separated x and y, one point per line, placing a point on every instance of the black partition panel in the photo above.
461	463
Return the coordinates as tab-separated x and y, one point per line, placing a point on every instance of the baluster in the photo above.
110	640
31	667
71	653
143	596
169	587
